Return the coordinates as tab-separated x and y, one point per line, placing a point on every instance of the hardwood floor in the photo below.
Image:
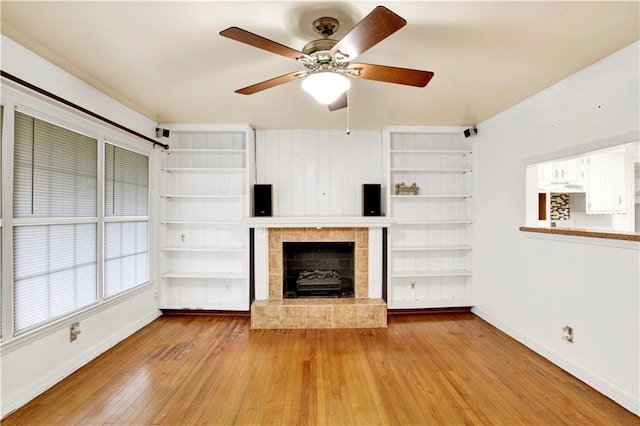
442	369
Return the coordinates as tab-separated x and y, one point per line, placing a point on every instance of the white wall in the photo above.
318	172
37	360
28	370
531	286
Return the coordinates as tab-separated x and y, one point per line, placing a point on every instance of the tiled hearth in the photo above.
319	313
356	312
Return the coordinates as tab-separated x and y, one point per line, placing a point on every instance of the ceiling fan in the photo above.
328	62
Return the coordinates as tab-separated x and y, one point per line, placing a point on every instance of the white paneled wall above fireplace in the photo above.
318	172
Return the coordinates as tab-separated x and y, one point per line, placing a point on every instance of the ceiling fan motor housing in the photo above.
326	26
323	44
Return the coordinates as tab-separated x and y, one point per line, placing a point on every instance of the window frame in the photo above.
122	219
2	143
15	98
53	221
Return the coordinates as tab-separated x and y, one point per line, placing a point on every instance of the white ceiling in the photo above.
167	61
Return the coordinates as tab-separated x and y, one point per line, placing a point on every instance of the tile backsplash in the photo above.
559	206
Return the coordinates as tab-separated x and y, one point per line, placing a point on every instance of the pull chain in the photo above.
348	117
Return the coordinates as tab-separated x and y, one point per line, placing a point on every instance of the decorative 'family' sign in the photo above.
402	189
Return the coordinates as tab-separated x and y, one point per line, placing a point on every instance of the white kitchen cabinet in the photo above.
204	197
559	172
606	184
430	240
545	175
562	176
575	170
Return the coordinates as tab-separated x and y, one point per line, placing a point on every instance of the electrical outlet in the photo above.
567	333
74	330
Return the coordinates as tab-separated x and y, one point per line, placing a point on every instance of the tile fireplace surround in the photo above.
270	310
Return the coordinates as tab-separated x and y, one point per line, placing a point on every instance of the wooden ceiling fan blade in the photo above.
243	36
388	74
339	103
267	84
371	30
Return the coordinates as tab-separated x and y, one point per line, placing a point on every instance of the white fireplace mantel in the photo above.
319	221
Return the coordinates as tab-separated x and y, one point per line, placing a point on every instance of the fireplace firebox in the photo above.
318	269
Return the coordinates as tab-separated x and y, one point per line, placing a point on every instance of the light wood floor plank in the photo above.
442	369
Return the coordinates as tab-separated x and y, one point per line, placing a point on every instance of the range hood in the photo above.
563	187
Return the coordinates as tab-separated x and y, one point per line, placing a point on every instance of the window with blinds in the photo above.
55	232
126	204
1	133
55	172
55	272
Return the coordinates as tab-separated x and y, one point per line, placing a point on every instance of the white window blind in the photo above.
54	272
55	263
126	175
126	241
1	127
126	256
1	284
55	170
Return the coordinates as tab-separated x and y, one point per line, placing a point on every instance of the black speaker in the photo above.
371	199
470	132
262	200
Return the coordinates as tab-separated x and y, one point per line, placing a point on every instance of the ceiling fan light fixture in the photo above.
326	86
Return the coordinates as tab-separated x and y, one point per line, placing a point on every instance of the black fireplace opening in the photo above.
318	269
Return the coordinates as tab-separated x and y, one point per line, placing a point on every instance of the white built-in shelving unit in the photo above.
205	181
429	245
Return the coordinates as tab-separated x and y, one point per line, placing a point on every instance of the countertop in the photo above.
578	232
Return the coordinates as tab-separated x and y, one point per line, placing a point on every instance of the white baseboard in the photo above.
27	394
596	382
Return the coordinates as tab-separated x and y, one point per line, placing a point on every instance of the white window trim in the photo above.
17	99
62	323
